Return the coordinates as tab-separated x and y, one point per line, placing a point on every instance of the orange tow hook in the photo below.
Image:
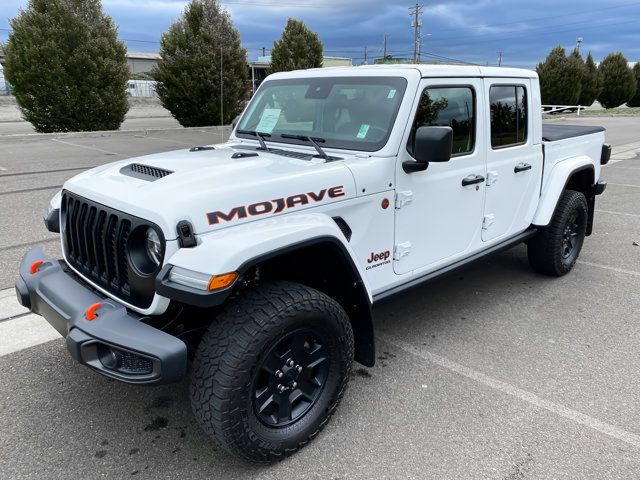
90	313
34	266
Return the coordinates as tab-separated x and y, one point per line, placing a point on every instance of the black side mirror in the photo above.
431	144
235	121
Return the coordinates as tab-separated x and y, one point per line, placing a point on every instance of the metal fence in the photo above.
141	88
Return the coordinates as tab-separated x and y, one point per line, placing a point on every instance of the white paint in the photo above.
624	185
86	147
9	306
25	332
519	393
607	267
3	168
618	213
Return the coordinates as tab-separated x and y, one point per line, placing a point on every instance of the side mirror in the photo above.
235	121
431	144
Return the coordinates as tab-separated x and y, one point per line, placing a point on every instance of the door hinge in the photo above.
401	250
492	177
487	221
403	198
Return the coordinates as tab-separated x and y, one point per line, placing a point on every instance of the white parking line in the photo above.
2	169
9	306
25	332
624	185
618	213
525	396
88	147
607	267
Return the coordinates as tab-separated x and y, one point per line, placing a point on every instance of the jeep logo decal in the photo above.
274	206
378	259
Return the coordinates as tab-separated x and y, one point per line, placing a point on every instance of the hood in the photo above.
211	188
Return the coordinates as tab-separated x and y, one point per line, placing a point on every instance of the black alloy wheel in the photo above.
290	378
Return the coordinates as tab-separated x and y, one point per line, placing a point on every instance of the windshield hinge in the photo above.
403	198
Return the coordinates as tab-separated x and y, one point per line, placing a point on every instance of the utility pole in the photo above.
415	12
365	55
221	96
500	58
384	55
263	52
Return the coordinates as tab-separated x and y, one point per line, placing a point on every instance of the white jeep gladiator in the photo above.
253	265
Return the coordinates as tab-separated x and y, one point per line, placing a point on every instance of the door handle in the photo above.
472	179
521	167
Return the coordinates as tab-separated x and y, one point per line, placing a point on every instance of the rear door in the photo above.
514	163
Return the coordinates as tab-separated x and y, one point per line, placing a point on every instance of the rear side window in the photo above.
508	115
448	107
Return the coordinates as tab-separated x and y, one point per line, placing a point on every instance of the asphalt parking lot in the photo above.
495	372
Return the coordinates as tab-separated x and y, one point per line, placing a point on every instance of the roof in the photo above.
143	55
443	70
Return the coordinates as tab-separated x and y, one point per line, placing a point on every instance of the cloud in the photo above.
472	30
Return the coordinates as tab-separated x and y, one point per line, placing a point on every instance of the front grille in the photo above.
96	239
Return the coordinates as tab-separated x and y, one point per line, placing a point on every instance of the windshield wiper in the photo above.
259	135
312	140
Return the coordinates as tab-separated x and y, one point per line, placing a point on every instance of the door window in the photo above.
448	107
508	115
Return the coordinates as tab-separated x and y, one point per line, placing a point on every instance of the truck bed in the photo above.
552	132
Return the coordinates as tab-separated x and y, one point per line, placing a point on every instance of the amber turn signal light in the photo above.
222	281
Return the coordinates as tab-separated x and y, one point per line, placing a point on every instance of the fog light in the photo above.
124	362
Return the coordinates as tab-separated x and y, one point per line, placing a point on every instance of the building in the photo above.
141	63
258	69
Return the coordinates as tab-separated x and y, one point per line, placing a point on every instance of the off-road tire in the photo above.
235	345
547	250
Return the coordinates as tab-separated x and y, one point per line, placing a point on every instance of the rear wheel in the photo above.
271	369
555	249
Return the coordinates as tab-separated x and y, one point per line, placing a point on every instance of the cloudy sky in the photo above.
468	30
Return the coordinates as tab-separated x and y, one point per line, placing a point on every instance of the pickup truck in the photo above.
252	266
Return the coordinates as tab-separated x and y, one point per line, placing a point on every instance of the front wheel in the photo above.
271	369
555	249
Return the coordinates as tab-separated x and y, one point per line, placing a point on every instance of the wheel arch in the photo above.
577	174
325	264
307	248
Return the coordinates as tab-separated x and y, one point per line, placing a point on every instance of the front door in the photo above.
438	211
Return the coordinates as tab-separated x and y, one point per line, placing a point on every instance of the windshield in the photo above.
355	113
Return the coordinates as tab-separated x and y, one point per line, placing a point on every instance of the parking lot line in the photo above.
607	267
523	395
624	185
24	332
88	147
618	213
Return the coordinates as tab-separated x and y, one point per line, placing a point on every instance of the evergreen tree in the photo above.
559	78
590	83
576	63
298	48
618	81
67	69
635	101
202	62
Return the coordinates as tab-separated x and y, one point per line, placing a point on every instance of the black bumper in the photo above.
116	343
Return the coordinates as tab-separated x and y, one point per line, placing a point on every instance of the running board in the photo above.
512	242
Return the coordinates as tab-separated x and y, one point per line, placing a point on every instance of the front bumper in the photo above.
116	343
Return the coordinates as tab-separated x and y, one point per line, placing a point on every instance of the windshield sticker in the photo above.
268	120
362	133
392	93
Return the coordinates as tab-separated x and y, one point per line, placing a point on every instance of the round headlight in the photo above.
154	247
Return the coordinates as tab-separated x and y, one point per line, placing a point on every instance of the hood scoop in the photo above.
144	172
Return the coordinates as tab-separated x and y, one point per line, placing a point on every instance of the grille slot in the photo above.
144	172
96	240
